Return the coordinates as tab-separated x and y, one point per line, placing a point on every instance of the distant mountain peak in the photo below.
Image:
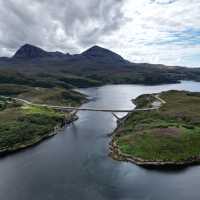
30	51
101	54
97	49
95	54
28	46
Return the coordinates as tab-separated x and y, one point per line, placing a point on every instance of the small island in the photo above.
166	135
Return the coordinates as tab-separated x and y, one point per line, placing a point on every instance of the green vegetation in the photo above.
170	134
93	67
3	103
22	126
46	80
53	96
13	89
25	125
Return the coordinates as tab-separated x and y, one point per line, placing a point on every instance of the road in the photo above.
69	108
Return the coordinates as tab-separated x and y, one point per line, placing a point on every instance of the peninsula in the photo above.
23	125
169	135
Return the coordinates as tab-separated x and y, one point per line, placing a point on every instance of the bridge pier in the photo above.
74	112
115	116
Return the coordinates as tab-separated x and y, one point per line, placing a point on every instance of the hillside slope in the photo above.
96	65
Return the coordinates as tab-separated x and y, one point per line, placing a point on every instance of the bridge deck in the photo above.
64	108
102	110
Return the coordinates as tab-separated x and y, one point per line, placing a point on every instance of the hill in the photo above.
94	66
169	135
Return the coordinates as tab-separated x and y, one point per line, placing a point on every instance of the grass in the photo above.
21	126
13	89
24	125
51	96
3	103
54	96
171	133
39	77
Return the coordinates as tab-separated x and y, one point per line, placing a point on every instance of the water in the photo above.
74	165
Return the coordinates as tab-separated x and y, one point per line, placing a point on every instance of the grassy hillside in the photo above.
78	74
170	134
45	79
53	96
23	126
92	67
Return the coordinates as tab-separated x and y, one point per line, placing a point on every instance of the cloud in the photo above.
155	31
163	2
66	25
161	31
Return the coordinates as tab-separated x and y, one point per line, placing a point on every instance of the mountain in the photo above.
103	55
94	54
96	64
28	51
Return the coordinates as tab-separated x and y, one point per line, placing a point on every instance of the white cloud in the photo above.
155	31
57	24
160	31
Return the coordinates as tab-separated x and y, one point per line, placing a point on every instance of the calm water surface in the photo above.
74	165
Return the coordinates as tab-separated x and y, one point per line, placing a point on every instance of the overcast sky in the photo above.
154	31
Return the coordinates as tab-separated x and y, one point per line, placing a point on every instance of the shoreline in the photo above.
59	127
116	154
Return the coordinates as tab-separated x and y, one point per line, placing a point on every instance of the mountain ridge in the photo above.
28	51
97	53
96	63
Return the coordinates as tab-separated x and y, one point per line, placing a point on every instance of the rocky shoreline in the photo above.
59	127
116	153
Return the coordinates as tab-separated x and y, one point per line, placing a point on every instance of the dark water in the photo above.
74	165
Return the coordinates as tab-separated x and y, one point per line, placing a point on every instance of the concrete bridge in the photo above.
76	109
62	108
